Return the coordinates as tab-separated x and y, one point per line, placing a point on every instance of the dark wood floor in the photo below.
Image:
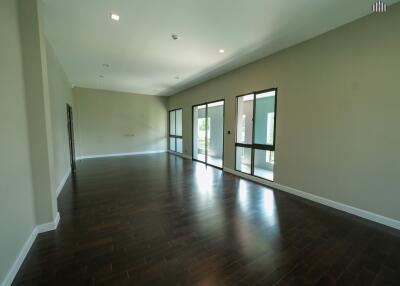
162	220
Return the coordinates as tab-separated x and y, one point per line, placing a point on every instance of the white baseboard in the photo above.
20	259
62	183
27	246
324	201
180	155
50	225
119	154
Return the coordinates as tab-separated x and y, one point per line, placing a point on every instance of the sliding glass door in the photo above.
208	133
175	130
199	133
215	133
255	133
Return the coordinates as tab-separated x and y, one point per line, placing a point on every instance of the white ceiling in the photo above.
144	59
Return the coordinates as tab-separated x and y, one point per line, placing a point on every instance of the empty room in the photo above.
199	142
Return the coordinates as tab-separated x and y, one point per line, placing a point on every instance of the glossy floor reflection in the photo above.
214	161
259	172
163	220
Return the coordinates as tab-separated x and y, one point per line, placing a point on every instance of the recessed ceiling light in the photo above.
221	51
115	17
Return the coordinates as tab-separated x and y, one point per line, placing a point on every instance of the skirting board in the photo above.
327	202
50	225
27	246
180	155
62	183
119	154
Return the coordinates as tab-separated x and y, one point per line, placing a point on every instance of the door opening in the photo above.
70	124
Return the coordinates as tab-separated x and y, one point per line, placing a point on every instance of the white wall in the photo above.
338	112
108	122
34	90
17	216
60	94
37	96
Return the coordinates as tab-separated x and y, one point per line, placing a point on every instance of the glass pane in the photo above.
199	133
172	123
179	122
243	159
244	128
172	145
215	133
264	122
264	164
179	145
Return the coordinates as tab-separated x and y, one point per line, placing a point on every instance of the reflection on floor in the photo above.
259	172
188	224
211	160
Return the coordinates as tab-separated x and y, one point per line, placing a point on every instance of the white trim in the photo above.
324	201
27	246
57	220
180	155
119	154
50	225
20	258
62	183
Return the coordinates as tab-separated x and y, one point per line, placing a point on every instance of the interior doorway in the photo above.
208	133
70	124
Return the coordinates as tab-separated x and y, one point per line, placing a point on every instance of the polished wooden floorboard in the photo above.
163	220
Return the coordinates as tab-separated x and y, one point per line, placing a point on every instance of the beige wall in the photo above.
338	112
34	90
60	94
17	217
105	121
38	110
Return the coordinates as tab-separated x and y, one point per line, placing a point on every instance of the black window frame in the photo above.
172	135
253	146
